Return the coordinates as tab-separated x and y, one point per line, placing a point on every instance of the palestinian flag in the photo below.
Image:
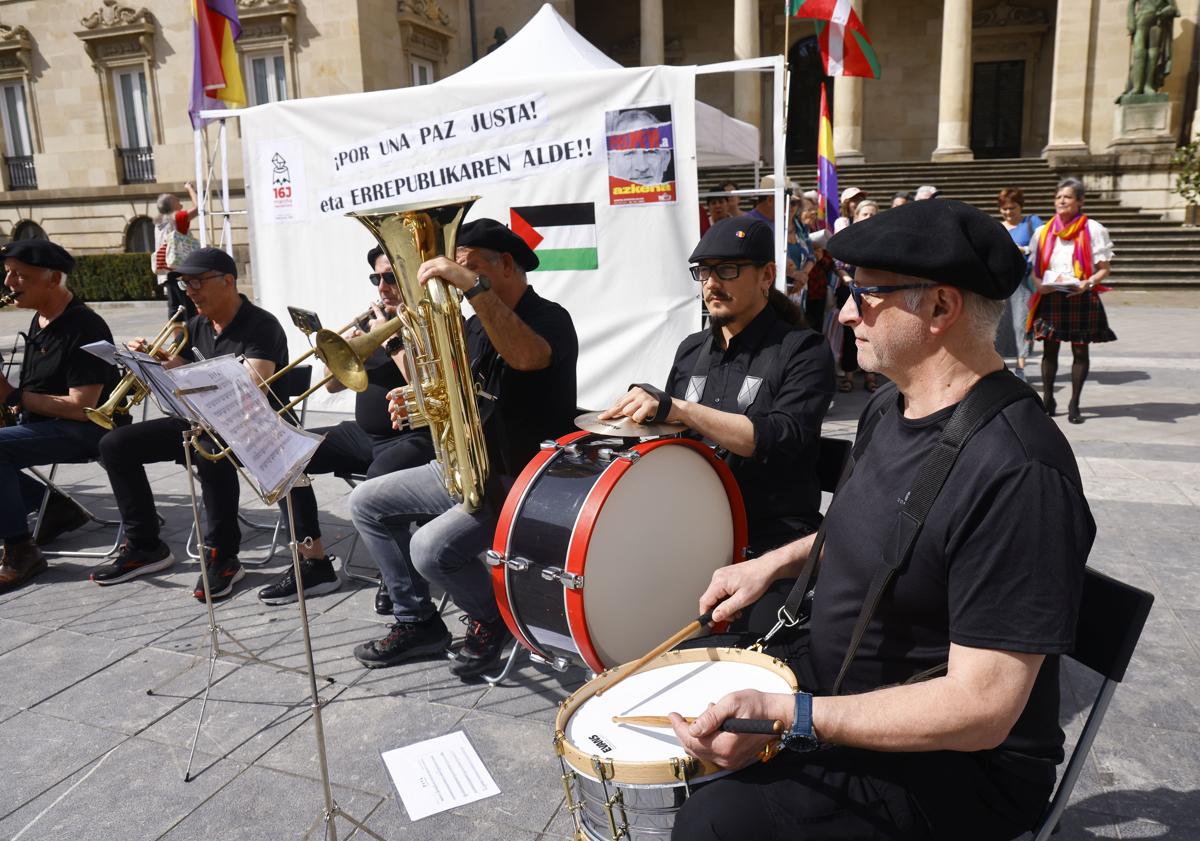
845	48
562	235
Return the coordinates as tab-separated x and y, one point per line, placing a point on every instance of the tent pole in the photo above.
779	138
201	221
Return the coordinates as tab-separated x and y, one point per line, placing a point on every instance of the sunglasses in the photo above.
382	277
857	292
722	271
195	282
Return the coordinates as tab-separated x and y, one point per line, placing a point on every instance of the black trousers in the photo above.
347	448
126	451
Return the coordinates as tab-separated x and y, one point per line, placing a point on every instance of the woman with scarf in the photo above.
1069	248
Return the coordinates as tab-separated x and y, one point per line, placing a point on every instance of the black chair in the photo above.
1111	617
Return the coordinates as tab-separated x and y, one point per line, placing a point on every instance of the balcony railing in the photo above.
137	165
21	173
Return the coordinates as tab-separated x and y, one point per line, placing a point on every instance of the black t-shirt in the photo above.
998	565
530	406
371	405
54	362
781	377
253	333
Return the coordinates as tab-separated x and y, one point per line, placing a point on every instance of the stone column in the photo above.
652	33
954	91
847	113
747	93
1069	82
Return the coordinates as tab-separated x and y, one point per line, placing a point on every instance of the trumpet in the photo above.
130	391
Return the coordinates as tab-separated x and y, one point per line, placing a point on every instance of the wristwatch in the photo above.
801	737
482	284
393	346
14	398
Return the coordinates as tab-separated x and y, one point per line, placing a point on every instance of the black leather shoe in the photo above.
383	601
1051	406
1073	415
62	515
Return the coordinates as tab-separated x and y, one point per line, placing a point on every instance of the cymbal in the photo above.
626	427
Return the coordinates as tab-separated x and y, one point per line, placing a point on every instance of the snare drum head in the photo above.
665	527
683	687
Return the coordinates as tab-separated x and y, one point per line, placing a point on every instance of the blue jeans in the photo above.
1020	313
55	441
445	549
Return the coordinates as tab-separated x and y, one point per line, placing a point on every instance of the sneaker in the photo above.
62	515
483	648
317	574
132	562
223	572
405	641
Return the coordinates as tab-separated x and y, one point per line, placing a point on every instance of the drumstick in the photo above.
763	726
670	642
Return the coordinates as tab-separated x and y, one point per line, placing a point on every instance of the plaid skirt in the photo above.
1079	319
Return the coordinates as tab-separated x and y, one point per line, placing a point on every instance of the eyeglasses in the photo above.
385	277
857	292
722	271
195	282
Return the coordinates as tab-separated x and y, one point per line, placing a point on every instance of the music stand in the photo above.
228	406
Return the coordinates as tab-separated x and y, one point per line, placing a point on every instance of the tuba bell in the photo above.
441	390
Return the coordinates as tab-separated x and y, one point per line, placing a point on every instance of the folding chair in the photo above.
294	382
51	488
1111	617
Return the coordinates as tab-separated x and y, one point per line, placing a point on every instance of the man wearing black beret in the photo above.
929	667
58	381
522	350
756	384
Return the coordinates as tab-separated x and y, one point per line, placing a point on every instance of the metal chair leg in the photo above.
51	487
512	659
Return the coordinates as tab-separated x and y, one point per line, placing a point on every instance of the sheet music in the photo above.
150	372
271	451
438	774
1060	282
104	350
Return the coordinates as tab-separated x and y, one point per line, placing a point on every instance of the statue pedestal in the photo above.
1142	127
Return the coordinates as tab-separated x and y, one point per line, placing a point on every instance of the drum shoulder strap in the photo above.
986	399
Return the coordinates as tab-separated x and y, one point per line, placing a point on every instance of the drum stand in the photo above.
215	650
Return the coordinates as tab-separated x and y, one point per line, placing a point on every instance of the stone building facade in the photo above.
94	93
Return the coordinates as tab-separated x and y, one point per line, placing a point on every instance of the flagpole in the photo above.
226	230
201	222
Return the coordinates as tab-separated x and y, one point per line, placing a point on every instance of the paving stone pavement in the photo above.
102	686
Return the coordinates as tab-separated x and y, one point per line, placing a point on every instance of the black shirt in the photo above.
998	565
530	406
54	362
371	405
781	377
253	333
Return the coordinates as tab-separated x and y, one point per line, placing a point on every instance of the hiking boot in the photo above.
383	600
317	575
405	641
22	561
223	572
483	649
132	562
62	515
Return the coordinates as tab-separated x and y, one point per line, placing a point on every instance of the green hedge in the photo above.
114	277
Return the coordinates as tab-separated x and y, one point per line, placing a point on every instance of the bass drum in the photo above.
604	545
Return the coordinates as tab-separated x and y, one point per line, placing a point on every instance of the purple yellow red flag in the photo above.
845	48
827	185
216	74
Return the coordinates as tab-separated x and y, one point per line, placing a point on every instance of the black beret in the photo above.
41	253
373	255
737	238
945	241
490	234
204	260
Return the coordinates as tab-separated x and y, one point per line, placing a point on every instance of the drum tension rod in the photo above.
569	579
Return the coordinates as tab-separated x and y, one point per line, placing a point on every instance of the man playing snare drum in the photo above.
946	724
756	383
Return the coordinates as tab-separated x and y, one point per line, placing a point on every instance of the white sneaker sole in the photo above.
157	566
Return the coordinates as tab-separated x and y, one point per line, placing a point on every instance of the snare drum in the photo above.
603	547
622	778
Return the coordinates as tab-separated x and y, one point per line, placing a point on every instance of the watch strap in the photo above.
482	284
801	736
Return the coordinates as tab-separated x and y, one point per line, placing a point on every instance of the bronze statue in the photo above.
1151	25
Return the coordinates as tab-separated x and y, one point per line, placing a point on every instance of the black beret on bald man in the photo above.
944	241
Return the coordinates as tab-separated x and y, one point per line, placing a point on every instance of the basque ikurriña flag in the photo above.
845	47
563	236
827	188
216	75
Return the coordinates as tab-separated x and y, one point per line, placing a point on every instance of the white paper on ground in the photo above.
438	774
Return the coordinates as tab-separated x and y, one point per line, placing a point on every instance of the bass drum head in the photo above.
665	527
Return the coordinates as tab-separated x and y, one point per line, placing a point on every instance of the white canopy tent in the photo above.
548	45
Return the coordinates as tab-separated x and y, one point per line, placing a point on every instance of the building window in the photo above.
133	113
422	72
268	79
28	230
139	236
17	141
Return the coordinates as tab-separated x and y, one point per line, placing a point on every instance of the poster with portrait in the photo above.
640	144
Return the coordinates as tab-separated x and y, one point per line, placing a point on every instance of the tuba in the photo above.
441	390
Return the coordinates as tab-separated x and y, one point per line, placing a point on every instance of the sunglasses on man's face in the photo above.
857	292
382	277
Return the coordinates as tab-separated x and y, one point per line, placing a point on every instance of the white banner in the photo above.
541	154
